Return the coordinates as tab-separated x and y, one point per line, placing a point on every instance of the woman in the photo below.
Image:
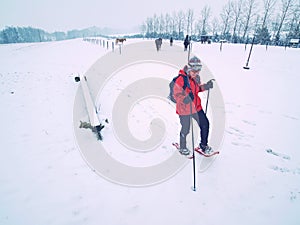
188	104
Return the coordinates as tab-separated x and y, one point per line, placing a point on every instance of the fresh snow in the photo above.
44	178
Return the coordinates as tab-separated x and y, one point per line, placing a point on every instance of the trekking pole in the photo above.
207	97
193	144
207	101
189	53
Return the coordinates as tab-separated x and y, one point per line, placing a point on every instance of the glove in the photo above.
197	79
209	85
189	98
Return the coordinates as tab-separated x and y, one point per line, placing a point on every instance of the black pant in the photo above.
203	123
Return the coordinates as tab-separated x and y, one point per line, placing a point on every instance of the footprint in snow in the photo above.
270	151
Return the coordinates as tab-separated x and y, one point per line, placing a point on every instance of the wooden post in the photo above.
120	48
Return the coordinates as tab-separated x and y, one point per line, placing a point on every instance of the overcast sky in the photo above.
63	15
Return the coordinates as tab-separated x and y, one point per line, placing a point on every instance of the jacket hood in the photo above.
183	71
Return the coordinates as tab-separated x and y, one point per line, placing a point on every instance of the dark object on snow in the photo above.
186	42
96	129
158	43
247	67
77	79
120	40
171	41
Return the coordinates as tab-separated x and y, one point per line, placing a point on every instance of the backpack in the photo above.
172	83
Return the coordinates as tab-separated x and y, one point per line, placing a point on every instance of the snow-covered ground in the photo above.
44	178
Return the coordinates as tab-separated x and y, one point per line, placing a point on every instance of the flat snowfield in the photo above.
46	178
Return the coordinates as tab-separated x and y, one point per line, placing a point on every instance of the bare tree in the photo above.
215	25
205	15
226	15
174	23
155	24
143	28
250	7
149	26
294	29
190	21
268	7
237	12
274	25
180	23
262	33
285	9
168	23
161	24
198	27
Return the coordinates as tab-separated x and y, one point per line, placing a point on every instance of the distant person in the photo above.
171	41
158	43
186	42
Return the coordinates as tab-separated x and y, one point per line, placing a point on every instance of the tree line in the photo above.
272	22
29	34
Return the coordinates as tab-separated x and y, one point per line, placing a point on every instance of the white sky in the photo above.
63	15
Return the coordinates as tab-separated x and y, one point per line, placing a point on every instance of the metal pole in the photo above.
247	67
189	53
207	101
193	146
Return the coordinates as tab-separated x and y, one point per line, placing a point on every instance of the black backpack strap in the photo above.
186	82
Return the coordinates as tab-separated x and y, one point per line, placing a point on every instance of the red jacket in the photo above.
180	94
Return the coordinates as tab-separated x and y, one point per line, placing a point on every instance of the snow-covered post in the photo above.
89	102
95	124
120	48
113	46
